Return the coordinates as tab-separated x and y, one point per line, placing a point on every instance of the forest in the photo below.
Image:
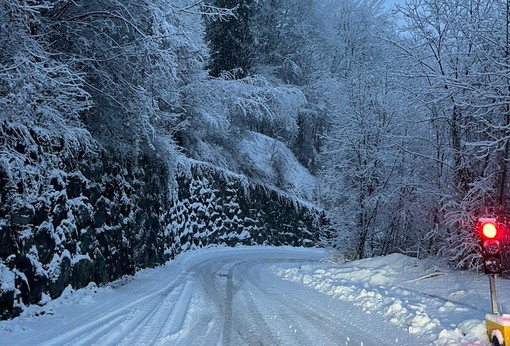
394	123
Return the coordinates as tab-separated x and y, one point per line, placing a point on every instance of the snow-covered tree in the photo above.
368	176
133	56
461	62
41	99
292	43
224	113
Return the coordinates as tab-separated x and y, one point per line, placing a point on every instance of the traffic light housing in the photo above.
490	234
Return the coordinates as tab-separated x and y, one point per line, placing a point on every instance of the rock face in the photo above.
92	219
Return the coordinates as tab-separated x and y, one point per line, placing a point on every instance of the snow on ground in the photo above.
267	295
441	306
272	160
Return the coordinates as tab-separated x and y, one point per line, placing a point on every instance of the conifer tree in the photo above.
230	40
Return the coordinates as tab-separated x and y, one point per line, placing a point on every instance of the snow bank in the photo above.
438	305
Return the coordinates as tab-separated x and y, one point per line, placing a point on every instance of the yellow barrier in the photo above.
498	329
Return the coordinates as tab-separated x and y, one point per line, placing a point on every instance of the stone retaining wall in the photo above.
91	219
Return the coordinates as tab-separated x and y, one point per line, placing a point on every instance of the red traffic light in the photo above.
490	236
489	228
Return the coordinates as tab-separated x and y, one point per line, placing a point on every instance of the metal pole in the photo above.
494	294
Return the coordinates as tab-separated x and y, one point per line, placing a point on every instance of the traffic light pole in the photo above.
494	293
498	328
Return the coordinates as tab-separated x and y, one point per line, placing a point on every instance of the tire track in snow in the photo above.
324	321
163	317
249	324
263	313
107	324
174	322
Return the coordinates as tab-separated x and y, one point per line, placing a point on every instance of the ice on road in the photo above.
218	296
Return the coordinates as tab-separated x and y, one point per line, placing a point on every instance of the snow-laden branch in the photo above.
200	7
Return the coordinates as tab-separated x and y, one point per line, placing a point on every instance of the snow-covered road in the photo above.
240	302
217	297
240	296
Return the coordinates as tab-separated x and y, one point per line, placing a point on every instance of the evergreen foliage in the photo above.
230	40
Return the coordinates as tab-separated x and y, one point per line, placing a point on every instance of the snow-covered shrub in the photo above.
251	104
246	126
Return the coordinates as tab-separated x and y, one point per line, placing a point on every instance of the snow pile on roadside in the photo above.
440	306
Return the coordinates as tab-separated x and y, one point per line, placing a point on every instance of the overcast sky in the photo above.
391	3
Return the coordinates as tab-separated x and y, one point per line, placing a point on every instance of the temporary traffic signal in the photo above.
490	233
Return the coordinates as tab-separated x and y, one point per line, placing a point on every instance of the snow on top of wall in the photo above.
6	278
276	165
259	159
